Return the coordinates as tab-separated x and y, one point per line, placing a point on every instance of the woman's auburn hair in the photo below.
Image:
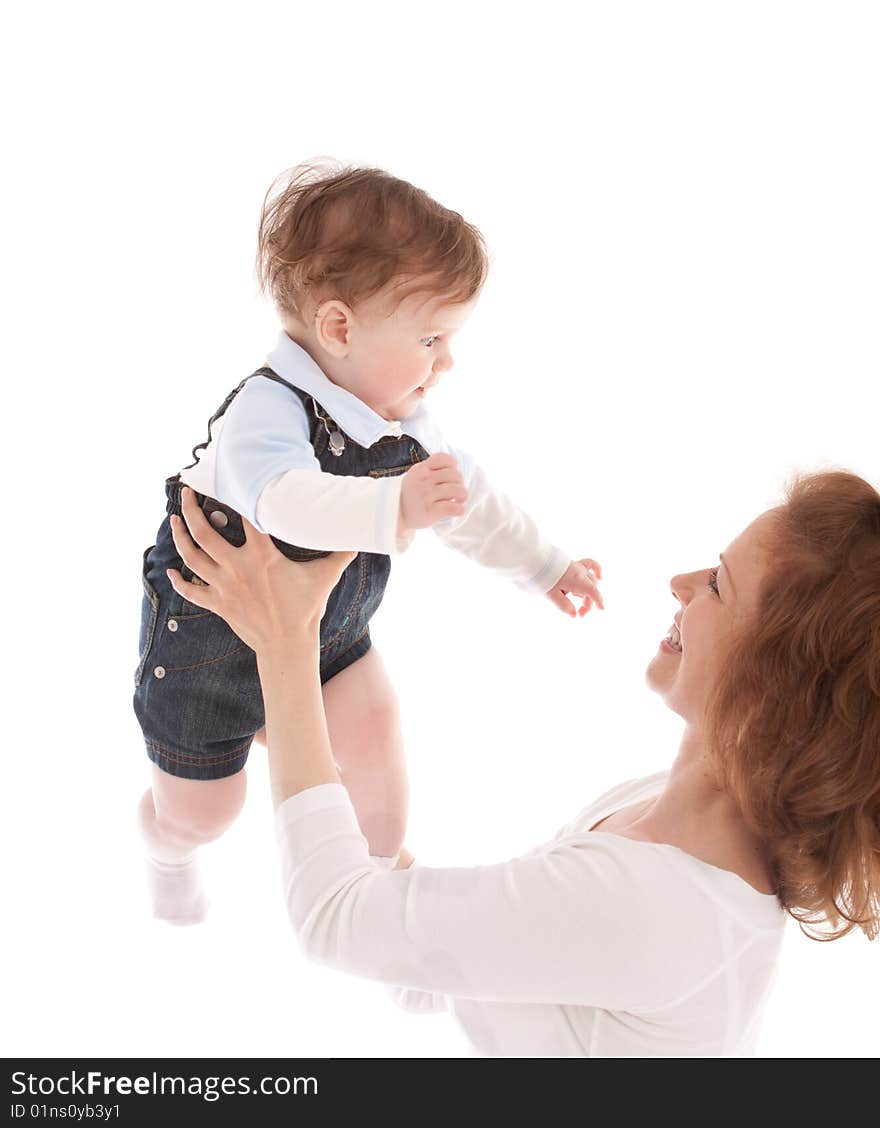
332	231
793	726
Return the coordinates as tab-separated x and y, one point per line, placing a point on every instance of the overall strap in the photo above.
221	410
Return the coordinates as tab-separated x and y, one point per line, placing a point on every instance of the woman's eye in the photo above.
713	581
428	342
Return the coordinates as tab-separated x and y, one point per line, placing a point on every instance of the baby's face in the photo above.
394	358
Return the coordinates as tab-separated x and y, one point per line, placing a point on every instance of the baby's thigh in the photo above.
363	716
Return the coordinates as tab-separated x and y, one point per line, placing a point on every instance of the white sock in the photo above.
385	863
175	890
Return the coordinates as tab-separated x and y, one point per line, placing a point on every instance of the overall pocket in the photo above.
392	470
149	617
193	637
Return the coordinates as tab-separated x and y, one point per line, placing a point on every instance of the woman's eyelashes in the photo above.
429	342
713	580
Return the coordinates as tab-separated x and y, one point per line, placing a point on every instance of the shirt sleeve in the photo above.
266	469
561	924
334	512
495	532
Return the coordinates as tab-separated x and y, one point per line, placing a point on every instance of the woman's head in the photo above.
785	685
716	604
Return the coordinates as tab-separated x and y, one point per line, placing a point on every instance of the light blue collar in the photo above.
361	423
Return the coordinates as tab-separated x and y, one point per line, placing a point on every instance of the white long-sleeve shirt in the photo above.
590	945
259	461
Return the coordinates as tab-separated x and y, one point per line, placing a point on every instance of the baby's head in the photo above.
371	276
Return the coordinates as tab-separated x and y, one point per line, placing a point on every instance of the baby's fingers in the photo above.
446	507
595	595
448	493
564	604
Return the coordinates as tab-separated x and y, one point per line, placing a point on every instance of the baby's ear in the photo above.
333	327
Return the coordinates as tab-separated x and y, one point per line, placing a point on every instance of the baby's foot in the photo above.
176	892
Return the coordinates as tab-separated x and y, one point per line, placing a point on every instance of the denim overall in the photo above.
197	693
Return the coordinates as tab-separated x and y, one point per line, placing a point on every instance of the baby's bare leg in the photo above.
363	720
176	816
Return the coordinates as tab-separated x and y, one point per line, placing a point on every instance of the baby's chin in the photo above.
405	409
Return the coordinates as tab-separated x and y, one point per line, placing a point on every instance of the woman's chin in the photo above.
660	673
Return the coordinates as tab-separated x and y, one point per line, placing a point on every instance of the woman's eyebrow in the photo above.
727	566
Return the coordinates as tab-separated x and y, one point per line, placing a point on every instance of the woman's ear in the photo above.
333	327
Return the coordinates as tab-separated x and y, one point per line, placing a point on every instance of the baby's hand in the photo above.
579	579
432	490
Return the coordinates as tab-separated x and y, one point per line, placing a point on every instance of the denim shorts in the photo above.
197	694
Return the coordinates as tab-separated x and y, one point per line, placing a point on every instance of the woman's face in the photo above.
714	604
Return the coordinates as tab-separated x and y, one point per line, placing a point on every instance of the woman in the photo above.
651	923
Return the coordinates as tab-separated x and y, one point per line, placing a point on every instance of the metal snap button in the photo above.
172	624
219	519
159	672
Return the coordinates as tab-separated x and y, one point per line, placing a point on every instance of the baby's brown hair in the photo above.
794	724
331	231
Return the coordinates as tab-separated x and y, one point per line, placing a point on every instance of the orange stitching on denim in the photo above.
152	623
355	602
207	661
386	473
354	644
185	758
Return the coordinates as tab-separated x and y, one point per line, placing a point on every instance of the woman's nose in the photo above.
682	586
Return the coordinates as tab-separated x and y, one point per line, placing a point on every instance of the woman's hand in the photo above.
264	597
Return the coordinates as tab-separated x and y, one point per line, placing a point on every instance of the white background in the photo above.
681	205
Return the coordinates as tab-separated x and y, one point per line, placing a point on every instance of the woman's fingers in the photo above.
196	593
252	535
190	553
335	564
207	538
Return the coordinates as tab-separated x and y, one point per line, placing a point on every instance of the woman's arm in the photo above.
576	922
275	609
296	727
568	924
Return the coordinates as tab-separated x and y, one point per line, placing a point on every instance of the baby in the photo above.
328	446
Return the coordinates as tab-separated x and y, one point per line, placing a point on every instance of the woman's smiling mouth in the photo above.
672	642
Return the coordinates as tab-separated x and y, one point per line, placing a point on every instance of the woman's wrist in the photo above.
280	648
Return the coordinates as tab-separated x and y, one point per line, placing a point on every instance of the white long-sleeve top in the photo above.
590	945
259	461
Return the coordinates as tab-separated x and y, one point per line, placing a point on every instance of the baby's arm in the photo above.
263	465
495	532
338	513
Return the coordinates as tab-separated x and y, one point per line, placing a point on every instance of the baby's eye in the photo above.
428	342
713	581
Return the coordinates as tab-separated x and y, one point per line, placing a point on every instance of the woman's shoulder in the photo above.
684	884
620	795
